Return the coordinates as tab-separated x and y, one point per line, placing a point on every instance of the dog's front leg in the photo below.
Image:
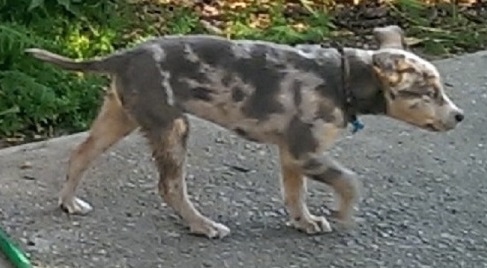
293	186
323	168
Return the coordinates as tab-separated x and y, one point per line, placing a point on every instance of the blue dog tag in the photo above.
356	126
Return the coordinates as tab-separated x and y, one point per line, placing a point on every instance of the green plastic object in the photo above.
14	254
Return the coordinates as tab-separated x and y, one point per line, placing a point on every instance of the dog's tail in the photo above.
92	65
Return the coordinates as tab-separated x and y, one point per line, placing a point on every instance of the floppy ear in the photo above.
389	66
391	36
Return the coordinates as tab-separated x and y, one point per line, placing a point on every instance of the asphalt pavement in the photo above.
424	198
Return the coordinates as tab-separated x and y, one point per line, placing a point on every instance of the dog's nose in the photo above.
459	117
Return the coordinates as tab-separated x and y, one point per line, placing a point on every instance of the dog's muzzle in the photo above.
450	121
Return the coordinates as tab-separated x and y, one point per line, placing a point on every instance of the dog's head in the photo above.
412	86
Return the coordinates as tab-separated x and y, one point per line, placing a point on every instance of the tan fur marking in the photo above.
403	66
327	133
391	79
293	185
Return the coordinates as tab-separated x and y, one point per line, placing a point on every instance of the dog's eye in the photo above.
430	95
411	94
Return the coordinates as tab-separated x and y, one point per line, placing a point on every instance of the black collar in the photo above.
350	109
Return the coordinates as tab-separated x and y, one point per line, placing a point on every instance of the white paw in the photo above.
311	224
75	206
209	229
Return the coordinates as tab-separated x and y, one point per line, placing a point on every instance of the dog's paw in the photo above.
344	219
209	229
75	206
311	225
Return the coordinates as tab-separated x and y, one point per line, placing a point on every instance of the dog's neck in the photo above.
364	84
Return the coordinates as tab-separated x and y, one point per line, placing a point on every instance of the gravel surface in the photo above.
424	198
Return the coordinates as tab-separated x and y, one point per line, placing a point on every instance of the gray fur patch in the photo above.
238	94
300	138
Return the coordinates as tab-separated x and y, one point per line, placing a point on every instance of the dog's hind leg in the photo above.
111	125
166	129
293	186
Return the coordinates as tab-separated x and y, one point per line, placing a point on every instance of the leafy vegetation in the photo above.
38	100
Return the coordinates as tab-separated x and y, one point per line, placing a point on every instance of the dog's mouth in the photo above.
436	127
431	127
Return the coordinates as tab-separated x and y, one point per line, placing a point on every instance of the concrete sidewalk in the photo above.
424	202
4	263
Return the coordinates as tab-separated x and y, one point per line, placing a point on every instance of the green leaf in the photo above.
35	4
12	110
67	5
